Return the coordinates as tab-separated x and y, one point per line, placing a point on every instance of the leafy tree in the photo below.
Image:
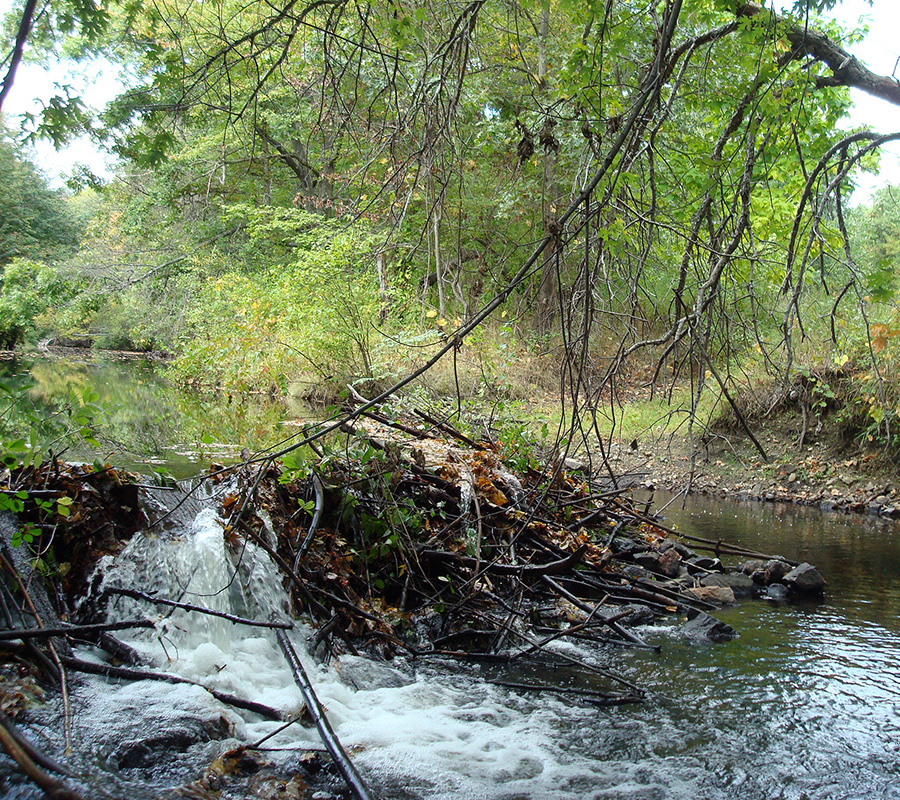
27	290
35	221
640	179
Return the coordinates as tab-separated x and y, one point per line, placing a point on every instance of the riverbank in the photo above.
826	473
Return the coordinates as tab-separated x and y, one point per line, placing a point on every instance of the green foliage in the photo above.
319	203
35	221
27	290
313	313
29	429
44	429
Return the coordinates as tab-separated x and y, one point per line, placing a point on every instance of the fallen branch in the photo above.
74	630
161	601
523	570
127	673
342	761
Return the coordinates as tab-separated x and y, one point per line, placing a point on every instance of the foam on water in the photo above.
803	703
414	735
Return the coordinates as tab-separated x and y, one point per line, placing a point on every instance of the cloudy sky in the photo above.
880	51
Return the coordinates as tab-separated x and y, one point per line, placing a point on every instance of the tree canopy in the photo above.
35	221
663	181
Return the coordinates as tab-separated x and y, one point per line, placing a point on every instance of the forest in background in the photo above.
556	198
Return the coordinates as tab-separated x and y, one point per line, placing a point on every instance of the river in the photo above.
803	704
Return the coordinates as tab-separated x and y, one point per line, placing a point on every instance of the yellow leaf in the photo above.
441	322
431	313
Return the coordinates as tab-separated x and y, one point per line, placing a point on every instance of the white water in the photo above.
410	735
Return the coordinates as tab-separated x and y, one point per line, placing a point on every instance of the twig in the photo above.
625	634
524	570
601	698
161	601
74	630
448	429
141	675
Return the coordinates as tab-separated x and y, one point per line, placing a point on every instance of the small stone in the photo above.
777	592
685	551
701	625
621	545
669	562
713	594
635	572
749	567
776	570
646	560
805	579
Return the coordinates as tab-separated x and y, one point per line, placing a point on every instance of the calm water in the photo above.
143	422
804	704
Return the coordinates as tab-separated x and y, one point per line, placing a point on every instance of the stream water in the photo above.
804	704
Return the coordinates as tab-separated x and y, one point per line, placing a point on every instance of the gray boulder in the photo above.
701	626
740	584
804	579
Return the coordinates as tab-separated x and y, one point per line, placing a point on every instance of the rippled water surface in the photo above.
805	702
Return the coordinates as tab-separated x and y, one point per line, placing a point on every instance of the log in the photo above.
161	601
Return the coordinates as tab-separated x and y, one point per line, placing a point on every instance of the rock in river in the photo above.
805	579
702	626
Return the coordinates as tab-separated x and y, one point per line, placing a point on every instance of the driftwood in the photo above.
342	761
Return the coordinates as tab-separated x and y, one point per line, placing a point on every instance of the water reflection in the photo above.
145	422
804	704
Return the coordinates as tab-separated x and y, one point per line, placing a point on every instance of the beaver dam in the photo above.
406	615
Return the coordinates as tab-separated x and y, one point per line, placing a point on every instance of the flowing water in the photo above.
804	704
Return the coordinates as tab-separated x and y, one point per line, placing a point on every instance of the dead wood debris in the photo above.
415	541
